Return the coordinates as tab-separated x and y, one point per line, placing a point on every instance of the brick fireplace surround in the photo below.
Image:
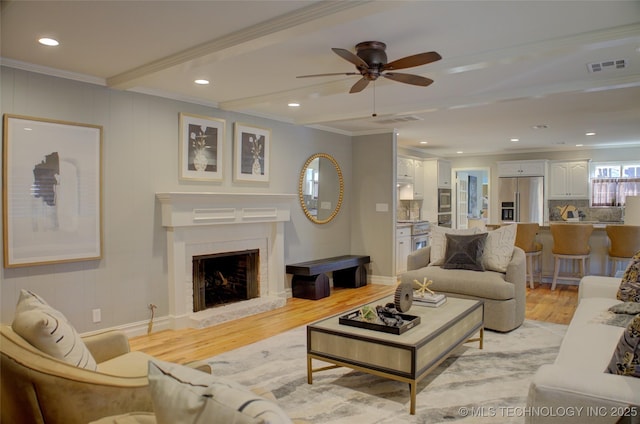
207	223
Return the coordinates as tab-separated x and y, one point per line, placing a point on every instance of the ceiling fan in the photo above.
371	61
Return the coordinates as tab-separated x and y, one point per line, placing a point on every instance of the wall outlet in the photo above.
97	315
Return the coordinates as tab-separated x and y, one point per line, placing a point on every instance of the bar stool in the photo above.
526	240
624	242
570	241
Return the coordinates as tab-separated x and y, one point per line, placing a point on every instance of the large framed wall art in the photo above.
251	153
201	139
51	191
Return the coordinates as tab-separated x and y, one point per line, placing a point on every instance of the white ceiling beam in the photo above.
316	16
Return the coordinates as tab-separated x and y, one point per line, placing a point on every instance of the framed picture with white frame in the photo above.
201	139
52	191
252	146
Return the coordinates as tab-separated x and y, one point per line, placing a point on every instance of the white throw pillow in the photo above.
49	331
438	242
185	395
498	248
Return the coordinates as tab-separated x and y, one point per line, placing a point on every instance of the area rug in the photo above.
473	385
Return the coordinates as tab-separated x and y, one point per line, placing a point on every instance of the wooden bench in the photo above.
310	280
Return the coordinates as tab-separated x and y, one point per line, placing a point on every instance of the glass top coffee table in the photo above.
406	357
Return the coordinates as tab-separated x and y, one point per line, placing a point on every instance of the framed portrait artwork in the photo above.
251	153
201	139
51	191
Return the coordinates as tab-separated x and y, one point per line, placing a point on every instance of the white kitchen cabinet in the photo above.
411	182
569	179
403	248
525	168
437	173
405	169
444	173
418	179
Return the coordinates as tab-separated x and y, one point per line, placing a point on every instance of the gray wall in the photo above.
374	170
140	158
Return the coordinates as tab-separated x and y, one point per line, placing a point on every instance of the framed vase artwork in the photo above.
251	159
201	139
51	191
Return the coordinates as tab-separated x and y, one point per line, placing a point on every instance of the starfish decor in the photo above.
424	287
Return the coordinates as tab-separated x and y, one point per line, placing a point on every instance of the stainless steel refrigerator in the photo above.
521	199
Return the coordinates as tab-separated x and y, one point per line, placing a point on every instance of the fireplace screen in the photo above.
223	278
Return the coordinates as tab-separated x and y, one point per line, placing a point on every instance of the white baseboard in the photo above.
383	279
139	328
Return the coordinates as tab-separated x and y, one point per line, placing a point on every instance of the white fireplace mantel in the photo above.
182	209
203	222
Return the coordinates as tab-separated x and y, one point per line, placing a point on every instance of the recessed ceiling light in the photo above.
459	152
514	140
294	104
590	133
201	81
424	142
45	41
579	145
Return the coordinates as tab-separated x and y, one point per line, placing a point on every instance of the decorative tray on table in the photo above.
354	319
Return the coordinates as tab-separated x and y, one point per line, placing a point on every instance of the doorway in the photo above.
472	197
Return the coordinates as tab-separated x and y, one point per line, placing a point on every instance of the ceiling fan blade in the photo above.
411	61
325	75
408	78
359	86
350	57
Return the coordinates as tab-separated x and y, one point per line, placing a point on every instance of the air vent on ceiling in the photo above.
607	65
397	119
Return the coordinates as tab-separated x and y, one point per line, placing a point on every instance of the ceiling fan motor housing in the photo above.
372	52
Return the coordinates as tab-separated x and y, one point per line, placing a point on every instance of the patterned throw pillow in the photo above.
498	249
629	290
464	252
626	357
48	330
184	395
628	308
438	242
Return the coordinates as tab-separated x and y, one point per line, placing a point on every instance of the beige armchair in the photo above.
37	388
504	294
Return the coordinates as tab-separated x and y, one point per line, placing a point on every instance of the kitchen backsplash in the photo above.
584	211
408	209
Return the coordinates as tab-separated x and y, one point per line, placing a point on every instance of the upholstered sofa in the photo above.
504	294
577	381
38	388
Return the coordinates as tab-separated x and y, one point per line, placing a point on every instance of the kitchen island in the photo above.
598	241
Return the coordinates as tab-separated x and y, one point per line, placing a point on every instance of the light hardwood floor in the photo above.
186	345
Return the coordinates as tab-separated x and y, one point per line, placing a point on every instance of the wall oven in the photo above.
444	200
444	220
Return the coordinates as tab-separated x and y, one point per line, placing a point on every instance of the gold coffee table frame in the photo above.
406	357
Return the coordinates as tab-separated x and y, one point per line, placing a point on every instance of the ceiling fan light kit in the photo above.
370	61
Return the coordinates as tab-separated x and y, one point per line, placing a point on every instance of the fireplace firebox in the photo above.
223	278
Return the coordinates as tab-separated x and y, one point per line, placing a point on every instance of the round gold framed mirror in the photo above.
321	188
